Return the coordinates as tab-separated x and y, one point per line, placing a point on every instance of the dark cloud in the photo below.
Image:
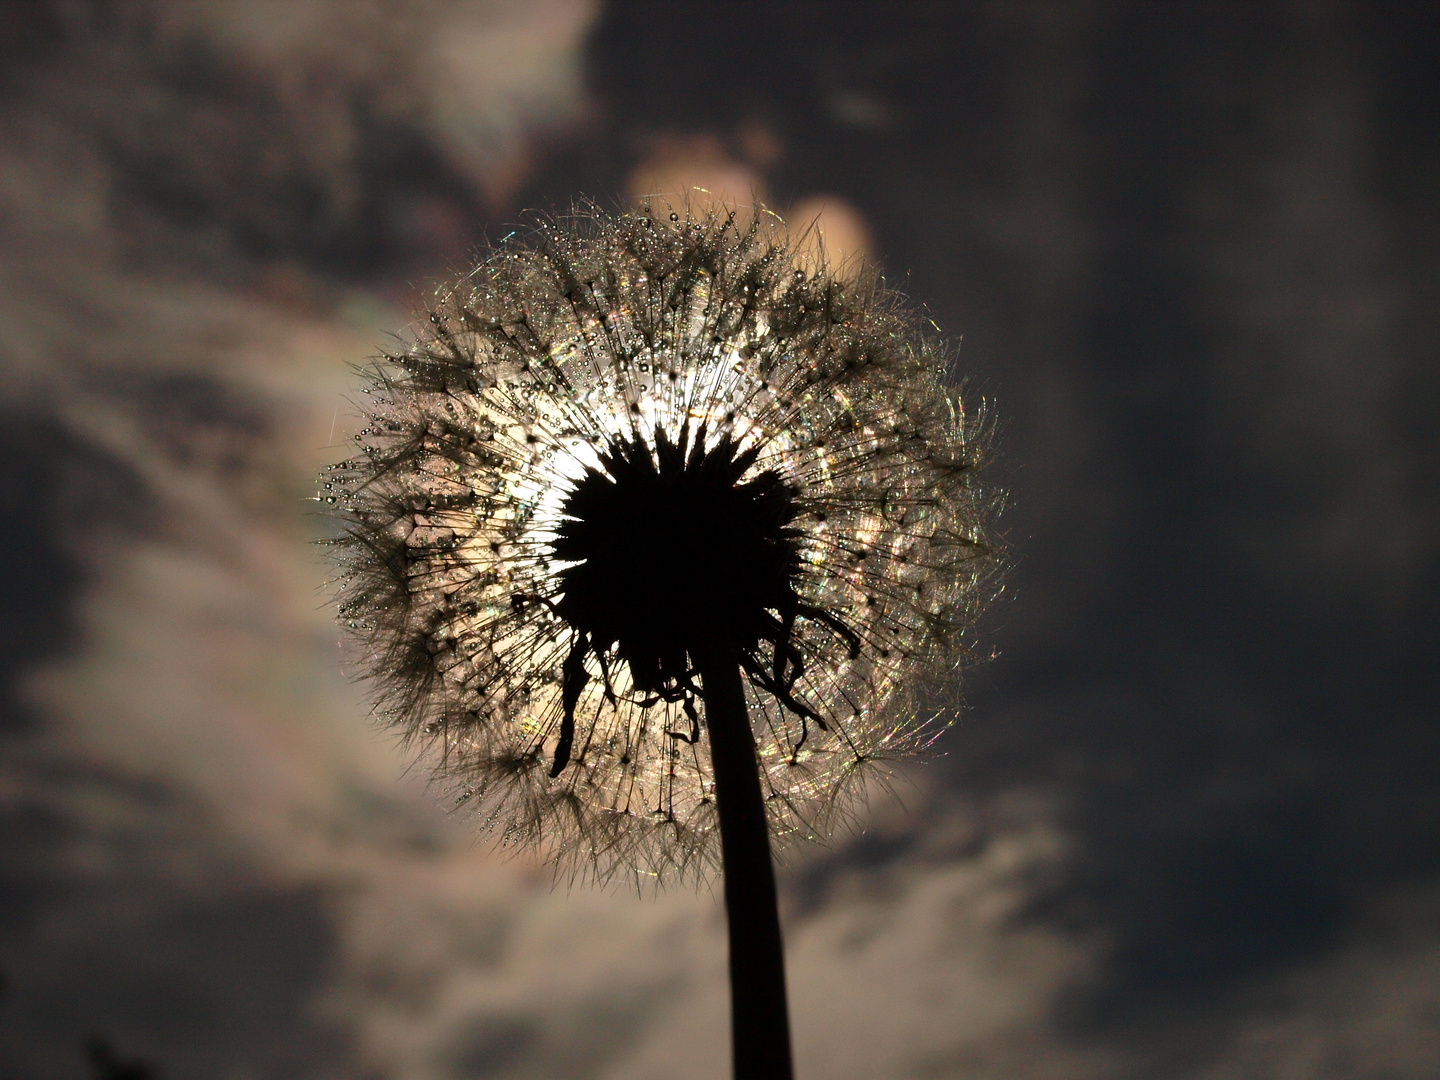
1188	253
53	487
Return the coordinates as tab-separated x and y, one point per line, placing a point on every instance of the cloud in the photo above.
1186	828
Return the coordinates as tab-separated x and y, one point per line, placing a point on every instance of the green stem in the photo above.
760	1024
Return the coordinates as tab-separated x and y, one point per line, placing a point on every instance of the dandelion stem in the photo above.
759	1018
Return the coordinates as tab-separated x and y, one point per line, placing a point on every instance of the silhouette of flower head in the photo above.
615	441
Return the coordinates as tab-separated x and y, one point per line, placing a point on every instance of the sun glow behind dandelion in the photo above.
600	345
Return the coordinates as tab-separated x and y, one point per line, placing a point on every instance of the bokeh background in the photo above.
1189	823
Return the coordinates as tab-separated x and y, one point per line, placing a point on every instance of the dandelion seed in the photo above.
642	510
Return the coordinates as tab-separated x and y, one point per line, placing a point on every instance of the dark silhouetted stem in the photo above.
759	1018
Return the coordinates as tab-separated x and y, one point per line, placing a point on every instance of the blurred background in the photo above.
1189	823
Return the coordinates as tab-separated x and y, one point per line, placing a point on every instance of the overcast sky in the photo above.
1187	825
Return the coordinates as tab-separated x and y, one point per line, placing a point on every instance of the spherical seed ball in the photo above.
618	435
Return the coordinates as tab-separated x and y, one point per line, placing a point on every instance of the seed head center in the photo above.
670	547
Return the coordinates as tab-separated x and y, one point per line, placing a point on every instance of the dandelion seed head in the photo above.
621	433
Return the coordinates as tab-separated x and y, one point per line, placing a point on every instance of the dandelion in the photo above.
649	535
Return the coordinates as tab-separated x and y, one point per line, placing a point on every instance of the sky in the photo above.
1186	825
